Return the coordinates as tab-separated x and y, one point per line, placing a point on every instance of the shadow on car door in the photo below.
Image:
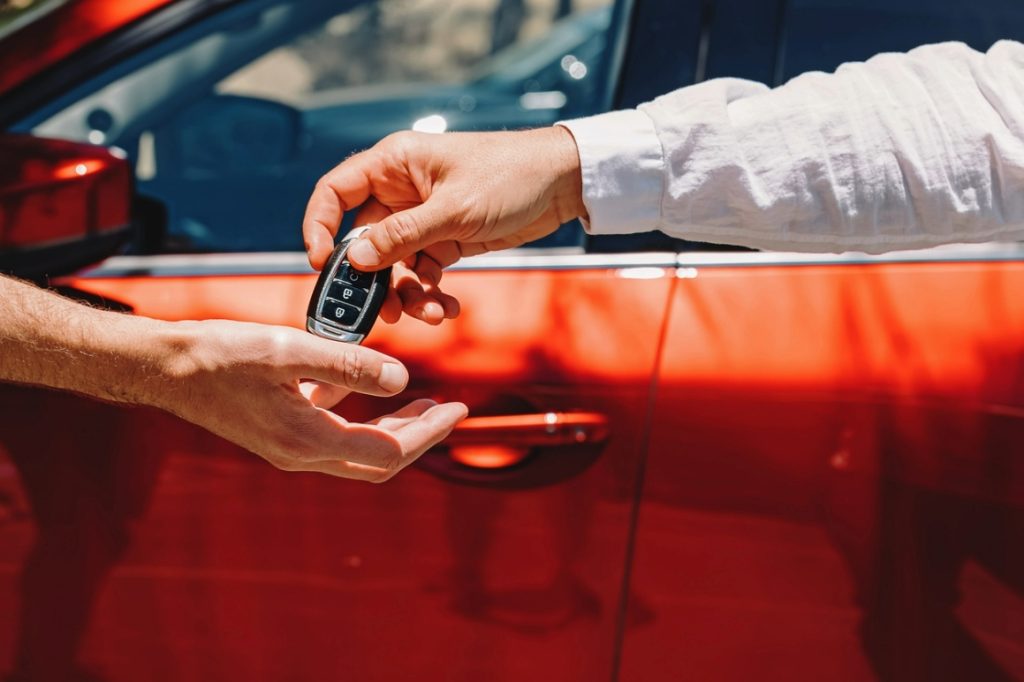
163	552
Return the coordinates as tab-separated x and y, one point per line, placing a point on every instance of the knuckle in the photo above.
465	209
400	142
352	368
274	347
324	186
403	228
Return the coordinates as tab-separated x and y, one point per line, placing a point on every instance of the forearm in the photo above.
902	151
265	388
48	340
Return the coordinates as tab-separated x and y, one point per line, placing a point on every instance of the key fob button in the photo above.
341	290
357	278
338	312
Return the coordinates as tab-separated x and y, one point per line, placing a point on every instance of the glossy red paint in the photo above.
833	486
835	483
62	32
198	561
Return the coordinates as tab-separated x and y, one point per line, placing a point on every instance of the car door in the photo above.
834	487
137	546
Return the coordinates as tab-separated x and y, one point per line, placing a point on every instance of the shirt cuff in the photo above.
623	169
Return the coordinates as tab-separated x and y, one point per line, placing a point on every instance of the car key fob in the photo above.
346	301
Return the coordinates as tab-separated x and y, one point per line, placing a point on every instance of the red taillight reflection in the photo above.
78	168
54	190
488	456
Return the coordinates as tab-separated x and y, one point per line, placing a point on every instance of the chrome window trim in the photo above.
948	253
295	263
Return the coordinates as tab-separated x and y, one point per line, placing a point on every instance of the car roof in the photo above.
55	29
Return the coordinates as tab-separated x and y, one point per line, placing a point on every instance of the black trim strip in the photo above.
39	263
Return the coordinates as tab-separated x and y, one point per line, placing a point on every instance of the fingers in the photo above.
346	365
417	434
416	301
422	301
401	417
446	253
427	269
378	451
428	429
391	309
345	187
402	234
409	293
350	470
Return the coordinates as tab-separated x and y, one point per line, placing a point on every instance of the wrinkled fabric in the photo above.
901	151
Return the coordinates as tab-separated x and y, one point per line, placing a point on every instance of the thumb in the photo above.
347	365
402	234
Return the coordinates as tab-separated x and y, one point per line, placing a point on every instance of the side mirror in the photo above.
231	135
63	205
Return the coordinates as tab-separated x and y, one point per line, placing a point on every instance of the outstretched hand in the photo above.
269	389
433	199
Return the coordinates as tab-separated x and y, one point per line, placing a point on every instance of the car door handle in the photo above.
541	429
519	451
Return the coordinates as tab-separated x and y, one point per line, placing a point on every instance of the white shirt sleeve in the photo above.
902	151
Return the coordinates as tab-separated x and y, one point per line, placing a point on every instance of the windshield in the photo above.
525	57
51	30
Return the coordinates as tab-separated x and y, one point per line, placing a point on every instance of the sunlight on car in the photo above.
435	123
574	67
641	273
551	99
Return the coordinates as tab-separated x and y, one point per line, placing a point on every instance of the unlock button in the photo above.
346	293
339	313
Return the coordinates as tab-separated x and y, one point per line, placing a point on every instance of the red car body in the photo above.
706	466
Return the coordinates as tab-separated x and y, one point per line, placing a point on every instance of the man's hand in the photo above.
268	389
432	199
265	388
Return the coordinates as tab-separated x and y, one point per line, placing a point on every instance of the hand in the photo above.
268	389
432	199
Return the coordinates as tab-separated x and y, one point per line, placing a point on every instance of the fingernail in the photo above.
393	377
432	310
363	253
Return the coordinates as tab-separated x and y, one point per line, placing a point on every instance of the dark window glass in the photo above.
819	35
231	124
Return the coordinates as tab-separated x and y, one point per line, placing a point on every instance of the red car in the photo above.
683	462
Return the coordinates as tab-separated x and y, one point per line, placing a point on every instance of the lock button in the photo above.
340	290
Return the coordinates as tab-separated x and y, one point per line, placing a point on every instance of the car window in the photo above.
231	123
819	35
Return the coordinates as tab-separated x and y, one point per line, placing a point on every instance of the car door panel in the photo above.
835	487
207	563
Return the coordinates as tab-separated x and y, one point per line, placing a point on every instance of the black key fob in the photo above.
346	301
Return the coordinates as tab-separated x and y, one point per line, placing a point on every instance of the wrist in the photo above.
568	176
149	360
171	356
